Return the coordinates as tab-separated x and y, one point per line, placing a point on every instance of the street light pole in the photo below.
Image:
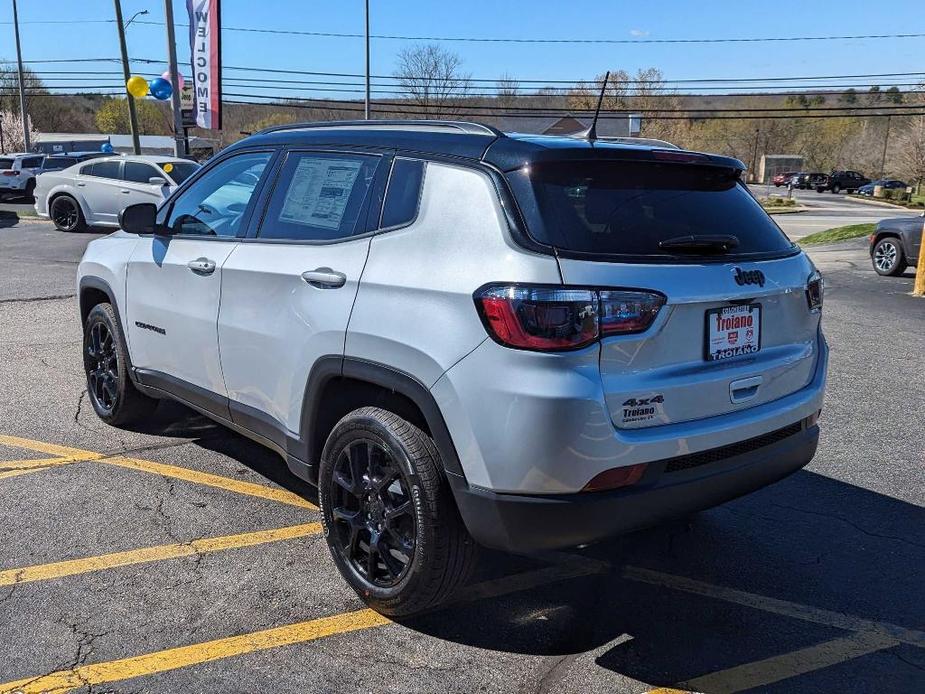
366	105
27	146
126	73
179	145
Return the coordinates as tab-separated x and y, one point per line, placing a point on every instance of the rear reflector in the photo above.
615	478
550	318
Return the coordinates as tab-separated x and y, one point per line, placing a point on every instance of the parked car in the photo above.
885	183
464	337
92	193
895	244
808	181
17	175
57	162
783	178
838	181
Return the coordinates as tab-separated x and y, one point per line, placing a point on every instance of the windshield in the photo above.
629	208
179	171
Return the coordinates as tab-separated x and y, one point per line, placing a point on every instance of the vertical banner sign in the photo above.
205	35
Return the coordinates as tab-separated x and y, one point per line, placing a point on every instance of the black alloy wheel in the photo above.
374	526
65	213
101	363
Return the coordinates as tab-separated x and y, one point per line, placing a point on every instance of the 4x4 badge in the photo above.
743	277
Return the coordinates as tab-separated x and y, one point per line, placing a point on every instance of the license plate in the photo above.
732	331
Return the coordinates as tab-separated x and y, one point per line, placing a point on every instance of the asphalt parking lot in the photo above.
182	557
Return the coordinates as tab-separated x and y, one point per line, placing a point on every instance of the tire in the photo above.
888	257
836	189
381	484
66	214
29	194
111	392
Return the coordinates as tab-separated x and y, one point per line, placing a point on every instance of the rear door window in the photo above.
102	169
626	209
319	197
404	193
139	172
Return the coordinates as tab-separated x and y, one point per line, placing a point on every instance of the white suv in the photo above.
456	334
17	174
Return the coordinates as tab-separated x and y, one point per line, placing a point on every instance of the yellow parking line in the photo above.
16	473
781	667
196	654
60	569
69	455
777	606
283	496
30	463
302	632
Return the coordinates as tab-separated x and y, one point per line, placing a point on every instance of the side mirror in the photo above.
157	181
139	218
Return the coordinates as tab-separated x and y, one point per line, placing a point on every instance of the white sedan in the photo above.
92	193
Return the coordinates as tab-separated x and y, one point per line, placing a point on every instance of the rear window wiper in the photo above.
718	243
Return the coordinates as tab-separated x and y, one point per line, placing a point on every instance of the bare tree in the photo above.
584	96
507	90
911	150
431	77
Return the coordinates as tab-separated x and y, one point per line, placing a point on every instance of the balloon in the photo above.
180	79
137	86
160	88
106	147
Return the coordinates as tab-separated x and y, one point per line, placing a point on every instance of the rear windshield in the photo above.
179	171
612	208
6	163
56	163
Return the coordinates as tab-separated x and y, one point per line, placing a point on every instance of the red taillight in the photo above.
615	478
10	173
558	318
815	291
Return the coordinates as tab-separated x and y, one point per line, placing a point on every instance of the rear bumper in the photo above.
522	523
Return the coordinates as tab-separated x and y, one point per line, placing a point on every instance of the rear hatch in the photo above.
736	329
9	177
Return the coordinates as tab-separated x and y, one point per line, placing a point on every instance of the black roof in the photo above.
506	151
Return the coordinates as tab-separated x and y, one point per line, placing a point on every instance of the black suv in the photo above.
838	181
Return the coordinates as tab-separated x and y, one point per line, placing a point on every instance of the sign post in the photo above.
919	288
179	146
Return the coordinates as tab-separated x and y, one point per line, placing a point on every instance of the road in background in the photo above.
827	210
812	584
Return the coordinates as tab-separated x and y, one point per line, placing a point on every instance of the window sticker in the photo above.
319	192
168	167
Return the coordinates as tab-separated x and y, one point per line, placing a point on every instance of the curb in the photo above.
880	203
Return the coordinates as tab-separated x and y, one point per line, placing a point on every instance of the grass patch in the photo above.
851	231
776	202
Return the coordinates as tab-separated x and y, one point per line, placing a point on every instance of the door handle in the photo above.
202	266
325	278
125	191
744	389
81	185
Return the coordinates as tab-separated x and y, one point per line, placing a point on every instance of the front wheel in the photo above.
111	392
888	257
389	517
836	189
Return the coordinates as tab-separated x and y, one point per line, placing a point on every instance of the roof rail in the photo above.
421	125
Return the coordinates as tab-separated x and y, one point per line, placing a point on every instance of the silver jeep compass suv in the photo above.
465	337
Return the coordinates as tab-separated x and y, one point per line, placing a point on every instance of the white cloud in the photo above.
638	32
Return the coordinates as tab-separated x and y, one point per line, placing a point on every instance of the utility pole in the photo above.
179	145
755	158
366	105
126	73
886	141
27	146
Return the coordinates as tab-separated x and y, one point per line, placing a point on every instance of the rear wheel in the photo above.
888	257
390	521
836	189
111	392
29	194
66	214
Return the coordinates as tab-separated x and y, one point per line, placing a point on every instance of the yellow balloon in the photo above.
137	86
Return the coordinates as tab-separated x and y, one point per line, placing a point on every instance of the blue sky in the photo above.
537	18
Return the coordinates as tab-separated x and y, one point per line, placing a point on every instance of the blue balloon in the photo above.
106	147
160	88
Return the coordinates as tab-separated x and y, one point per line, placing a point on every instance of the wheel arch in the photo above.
338	385
65	190
880	234
94	291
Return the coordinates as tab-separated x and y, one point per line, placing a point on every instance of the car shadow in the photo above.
672	604
8	218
